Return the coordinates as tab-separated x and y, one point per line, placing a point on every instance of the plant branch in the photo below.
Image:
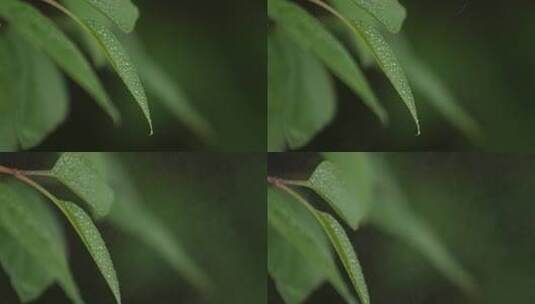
37	173
23	176
300	183
283	185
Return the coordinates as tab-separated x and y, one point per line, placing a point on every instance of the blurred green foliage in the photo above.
215	53
479	206
213	205
482	51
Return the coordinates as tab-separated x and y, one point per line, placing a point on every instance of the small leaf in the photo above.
81	37
38	30
94	243
80	174
35	94
331	184
355	43
346	253
25	218
358	174
122	64
388	12
391	67
364	54
122	12
300	92
117	56
311	35
385	57
295	277
298	226
165	89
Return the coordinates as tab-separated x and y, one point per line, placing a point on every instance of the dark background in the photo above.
483	50
216	52
479	205
215	206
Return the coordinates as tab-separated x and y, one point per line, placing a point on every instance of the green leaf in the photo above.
355	43
388	12
384	55
87	43
331	184
26	219
122	64
114	51
311	35
88	232
436	93
165	89
8	137
360	47
38	30
357	172
392	214
298	226
29	278
130	214
346	253
277	94
35	94
122	12
117	56
79	173
300	92
295	276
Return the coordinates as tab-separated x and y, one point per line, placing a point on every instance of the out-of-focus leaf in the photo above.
390	13
165	89
384	55
330	183
81	37
122	12
301	90
392	214
430	86
295	277
311	35
277	91
130	215
43	34
84	10
354	43
28	277
34	98
80	174
90	236
26	219
364	54
288	217
117	56
8	136
346	253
